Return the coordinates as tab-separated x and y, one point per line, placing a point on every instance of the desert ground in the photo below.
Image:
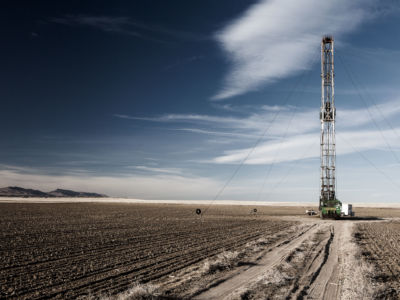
109	250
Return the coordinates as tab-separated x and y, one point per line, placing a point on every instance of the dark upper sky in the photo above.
71	64
67	67
159	92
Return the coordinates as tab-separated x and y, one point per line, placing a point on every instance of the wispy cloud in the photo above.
16	168
183	118
218	133
307	146
105	23
274	39
256	122
127	26
277	119
158	170
291	132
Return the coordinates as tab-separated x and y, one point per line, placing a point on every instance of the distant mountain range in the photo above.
15	191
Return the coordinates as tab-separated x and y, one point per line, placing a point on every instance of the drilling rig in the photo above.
329	205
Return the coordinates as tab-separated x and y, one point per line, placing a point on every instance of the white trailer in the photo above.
347	210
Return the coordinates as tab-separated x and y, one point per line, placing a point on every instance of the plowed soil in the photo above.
167	251
380	245
70	250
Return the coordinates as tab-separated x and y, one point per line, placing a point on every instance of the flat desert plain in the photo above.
167	251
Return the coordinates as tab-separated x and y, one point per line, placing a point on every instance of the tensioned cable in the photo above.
291	168
361	154
371	163
255	144
284	137
276	155
374	104
368	110
382	114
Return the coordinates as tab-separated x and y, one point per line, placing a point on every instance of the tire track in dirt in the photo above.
312	276
225	289
342	275
327	284
319	274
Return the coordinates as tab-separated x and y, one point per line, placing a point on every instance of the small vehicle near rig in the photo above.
311	212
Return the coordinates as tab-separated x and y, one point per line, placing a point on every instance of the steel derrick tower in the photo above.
327	116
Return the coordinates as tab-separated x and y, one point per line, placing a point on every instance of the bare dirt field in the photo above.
162	251
380	245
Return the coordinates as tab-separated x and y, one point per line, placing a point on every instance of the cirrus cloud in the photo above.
274	39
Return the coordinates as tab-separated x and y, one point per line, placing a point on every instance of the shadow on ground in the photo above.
366	218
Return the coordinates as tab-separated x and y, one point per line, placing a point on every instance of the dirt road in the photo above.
313	265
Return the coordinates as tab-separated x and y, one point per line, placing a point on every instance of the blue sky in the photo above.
166	99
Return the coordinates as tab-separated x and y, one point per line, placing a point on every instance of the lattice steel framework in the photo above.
327	116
